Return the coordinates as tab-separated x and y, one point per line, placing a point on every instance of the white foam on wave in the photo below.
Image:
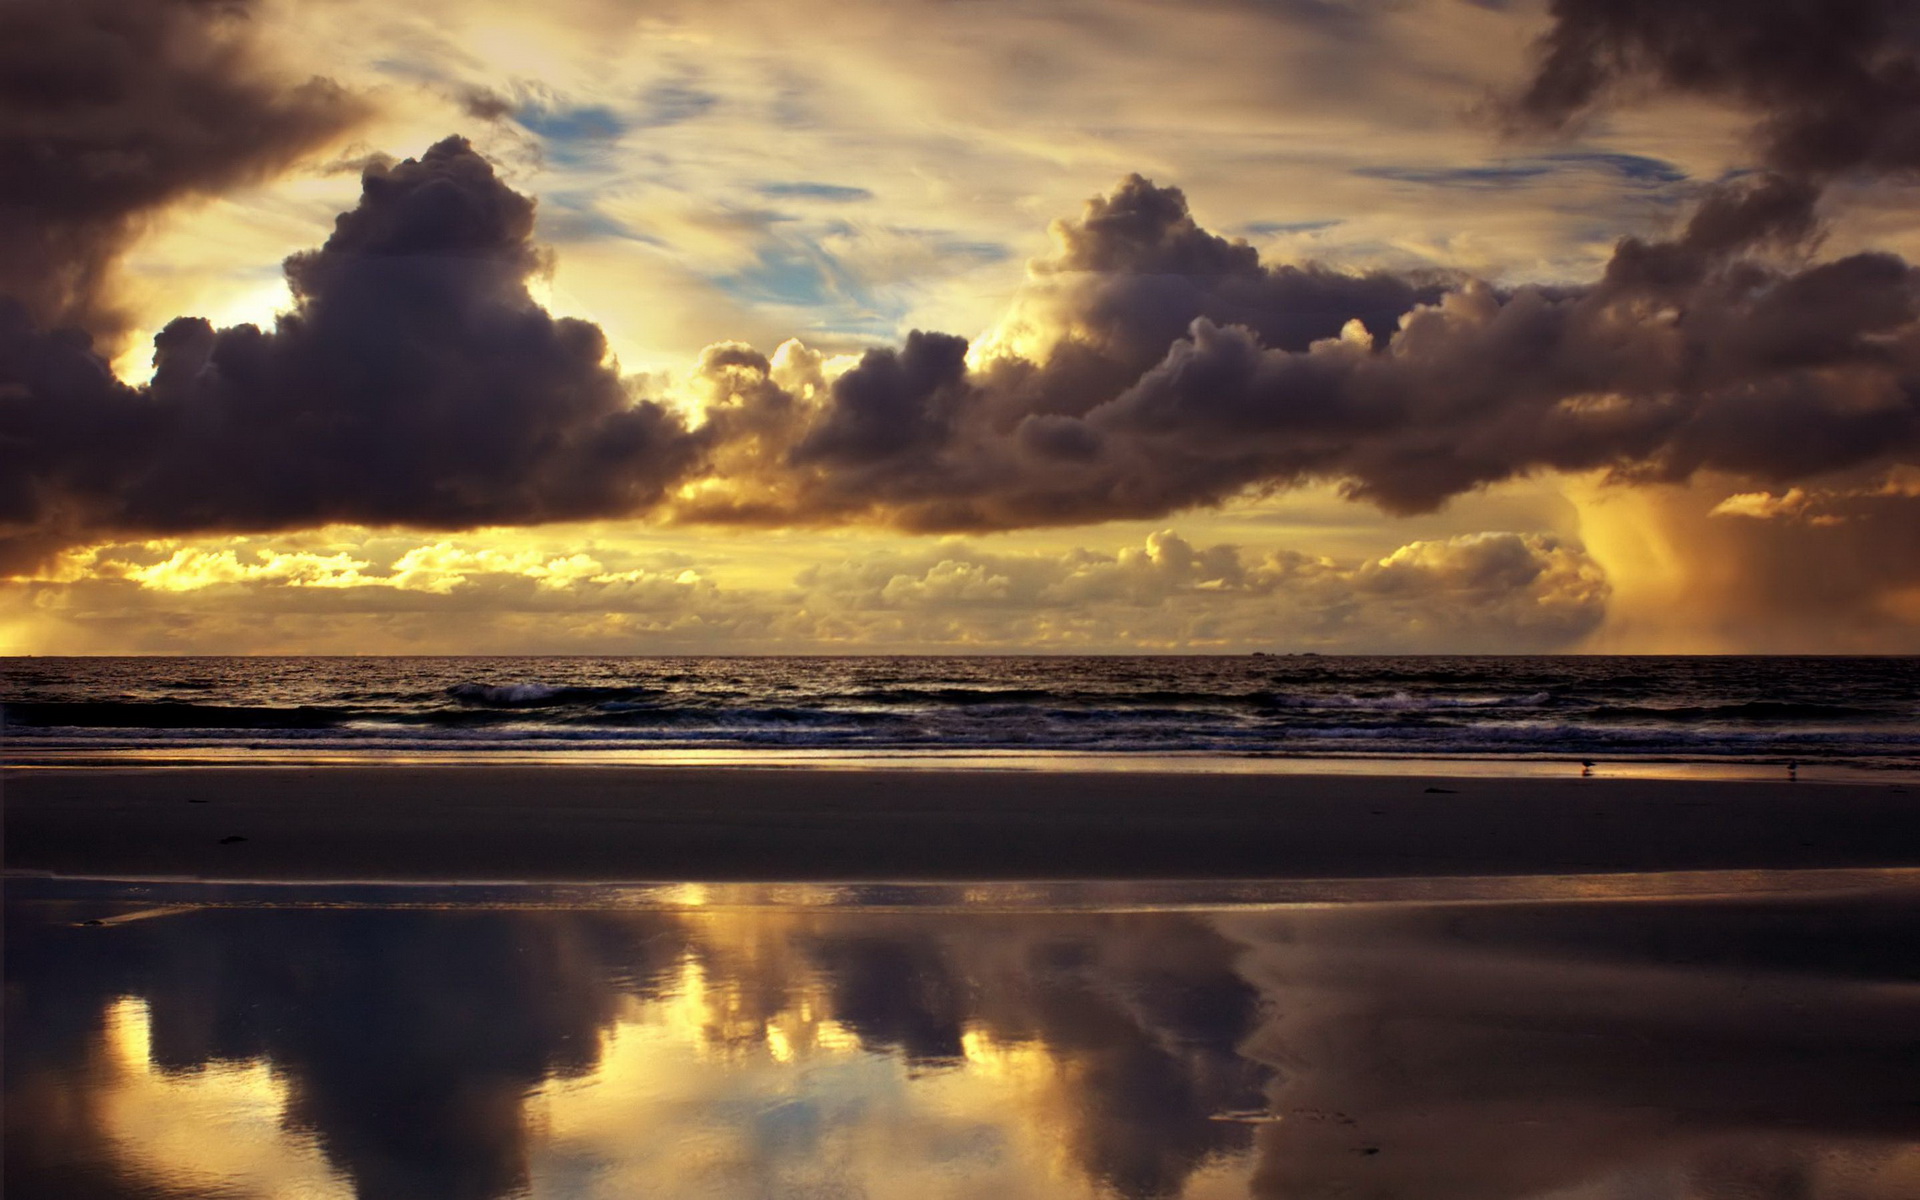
1406	702
506	693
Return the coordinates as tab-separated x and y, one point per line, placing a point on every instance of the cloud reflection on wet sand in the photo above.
1700	1049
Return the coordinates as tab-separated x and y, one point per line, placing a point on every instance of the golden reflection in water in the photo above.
744	1088
1578	1049
221	1126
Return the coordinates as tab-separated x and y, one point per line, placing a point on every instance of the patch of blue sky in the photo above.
808	190
572	136
796	271
1638	168
847	330
1458	177
839	305
790	275
1277	228
1633	168
593	122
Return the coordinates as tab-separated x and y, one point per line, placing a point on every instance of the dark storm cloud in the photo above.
1148	366
1835	84
1187	373
1137	270
414	382
110	112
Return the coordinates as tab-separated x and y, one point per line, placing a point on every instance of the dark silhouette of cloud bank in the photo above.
1148	365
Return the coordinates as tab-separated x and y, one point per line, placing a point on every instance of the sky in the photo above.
611	326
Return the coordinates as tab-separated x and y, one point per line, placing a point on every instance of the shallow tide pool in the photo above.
1646	1037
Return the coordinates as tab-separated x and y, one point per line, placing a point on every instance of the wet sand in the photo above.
634	823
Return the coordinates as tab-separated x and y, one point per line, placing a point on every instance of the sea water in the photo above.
1854	712
1601	1038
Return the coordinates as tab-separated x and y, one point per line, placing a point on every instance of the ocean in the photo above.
1857	713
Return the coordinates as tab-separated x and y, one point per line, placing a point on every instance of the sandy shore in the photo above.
578	823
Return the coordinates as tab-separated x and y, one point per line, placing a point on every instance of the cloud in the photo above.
1152	367
1147	366
1833	568
1502	591
189	570
112	112
1490	590
1820	506
1835	86
1156	366
1763	505
1833	89
413	382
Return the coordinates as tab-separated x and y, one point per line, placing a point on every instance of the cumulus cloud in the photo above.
111	112
1490	590
1690	354
1493	591
1817	560
1135	270
190	569
414	382
1528	586
1152	366
1148	366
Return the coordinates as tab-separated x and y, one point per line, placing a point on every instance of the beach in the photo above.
500	978
602	928
581	823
